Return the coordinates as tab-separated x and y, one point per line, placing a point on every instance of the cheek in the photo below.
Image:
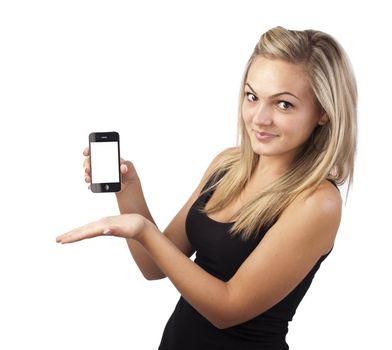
298	129
247	122
246	116
294	127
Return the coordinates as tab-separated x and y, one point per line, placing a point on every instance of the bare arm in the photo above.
131	200
304	232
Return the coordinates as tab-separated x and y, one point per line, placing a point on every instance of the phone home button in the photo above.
107	187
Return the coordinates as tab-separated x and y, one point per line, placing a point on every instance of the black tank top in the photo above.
221	254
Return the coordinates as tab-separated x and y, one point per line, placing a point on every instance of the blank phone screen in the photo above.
104	162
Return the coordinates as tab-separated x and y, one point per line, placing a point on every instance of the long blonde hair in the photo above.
328	153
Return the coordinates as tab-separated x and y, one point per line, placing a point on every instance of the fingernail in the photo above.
108	231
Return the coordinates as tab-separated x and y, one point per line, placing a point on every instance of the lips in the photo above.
266	134
263	135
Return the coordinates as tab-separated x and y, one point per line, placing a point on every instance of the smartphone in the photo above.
105	161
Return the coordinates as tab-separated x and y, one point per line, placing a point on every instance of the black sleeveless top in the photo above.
221	254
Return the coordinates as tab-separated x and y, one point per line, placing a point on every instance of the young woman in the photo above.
265	214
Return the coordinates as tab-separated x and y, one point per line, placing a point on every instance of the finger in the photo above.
113	230
87	174
123	169
84	232
87	170
86	163
123	161
86	152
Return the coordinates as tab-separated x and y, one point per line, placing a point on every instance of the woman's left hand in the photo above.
129	226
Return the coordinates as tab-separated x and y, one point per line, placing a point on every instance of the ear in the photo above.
323	119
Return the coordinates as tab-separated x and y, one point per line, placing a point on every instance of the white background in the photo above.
166	75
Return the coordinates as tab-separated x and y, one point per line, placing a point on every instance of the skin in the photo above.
305	231
279	101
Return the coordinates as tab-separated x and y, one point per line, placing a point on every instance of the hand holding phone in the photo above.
105	162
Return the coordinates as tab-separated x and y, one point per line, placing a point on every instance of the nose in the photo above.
263	115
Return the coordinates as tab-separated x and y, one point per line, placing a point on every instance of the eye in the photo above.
250	97
284	105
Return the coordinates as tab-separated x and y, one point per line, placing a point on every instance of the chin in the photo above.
266	154
266	150
270	150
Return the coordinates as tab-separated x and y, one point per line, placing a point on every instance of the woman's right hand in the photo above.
127	170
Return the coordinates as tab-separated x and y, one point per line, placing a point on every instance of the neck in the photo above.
272	166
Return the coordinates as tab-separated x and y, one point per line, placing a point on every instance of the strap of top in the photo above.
333	183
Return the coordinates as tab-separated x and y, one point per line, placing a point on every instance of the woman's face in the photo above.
279	108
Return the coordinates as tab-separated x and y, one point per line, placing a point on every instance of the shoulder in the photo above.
317	212
287	253
324	201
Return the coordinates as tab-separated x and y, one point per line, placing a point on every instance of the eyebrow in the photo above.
275	95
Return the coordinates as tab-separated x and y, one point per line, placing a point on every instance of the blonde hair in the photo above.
329	152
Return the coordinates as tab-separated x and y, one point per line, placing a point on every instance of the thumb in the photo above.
113	230
123	169
107	232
